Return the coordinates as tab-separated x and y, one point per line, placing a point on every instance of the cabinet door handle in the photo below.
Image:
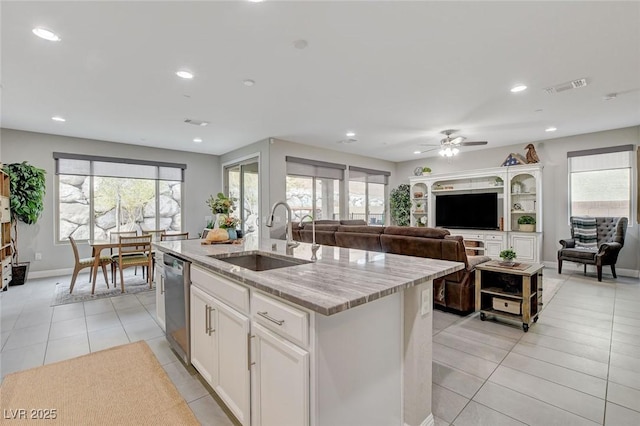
161	284
206	319
209	311
249	363
265	315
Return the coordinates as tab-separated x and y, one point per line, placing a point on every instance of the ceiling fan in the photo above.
449	145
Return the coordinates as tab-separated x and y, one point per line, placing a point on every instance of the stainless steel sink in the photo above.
259	262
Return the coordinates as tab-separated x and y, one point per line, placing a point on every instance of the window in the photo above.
99	195
368	195
600	182
313	186
242	181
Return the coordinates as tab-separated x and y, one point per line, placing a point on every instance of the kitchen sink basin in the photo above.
260	262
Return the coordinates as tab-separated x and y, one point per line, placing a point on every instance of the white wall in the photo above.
202	177
553	155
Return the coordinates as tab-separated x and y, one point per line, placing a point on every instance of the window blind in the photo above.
314	168
90	165
368	175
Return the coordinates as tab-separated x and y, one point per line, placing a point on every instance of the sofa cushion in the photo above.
414	231
474	261
322	227
361	229
580	254
365	240
353	222
411	246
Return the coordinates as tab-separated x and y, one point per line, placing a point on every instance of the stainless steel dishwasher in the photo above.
176	301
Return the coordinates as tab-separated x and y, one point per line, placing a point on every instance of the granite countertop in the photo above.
340	279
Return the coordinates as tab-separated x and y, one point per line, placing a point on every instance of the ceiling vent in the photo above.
196	122
574	84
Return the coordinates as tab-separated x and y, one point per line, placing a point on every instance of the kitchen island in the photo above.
344	340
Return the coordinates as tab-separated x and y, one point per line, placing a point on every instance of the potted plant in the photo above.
527	223
230	223
28	186
507	256
499	181
400	205
426	171
419	207
220	205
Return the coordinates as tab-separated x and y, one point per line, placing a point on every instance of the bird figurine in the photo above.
532	157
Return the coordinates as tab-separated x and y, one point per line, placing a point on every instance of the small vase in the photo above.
233	235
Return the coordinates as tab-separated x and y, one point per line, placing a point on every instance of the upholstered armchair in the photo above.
594	241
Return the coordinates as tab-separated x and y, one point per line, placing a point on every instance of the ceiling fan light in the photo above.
442	152
455	151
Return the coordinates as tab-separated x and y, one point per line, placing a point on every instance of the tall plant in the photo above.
400	204
27	196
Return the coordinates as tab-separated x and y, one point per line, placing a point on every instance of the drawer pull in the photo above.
265	315
210	309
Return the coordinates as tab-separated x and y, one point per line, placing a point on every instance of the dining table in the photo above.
96	249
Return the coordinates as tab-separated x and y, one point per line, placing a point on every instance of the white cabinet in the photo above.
419	203
159	278
280	385
219	346
526	245
203	339
519	195
525	198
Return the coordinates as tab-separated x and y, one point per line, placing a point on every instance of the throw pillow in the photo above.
584	232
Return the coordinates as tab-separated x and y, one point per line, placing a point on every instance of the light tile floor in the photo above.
33	333
579	365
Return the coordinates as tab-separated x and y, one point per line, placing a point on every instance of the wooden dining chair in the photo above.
87	262
114	237
174	236
134	251
155	233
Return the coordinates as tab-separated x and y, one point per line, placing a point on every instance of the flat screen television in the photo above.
467	211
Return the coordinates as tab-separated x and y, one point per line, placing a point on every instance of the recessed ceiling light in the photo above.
417	152
518	88
610	96
45	34
248	82
550	129
58	118
256	1
197	140
350	134
184	74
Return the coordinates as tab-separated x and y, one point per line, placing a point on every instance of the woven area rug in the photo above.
124	385
82	289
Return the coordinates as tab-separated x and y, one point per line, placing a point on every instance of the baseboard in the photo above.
429	421
51	273
578	267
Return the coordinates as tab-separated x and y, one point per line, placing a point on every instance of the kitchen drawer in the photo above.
283	319
507	305
226	290
492	237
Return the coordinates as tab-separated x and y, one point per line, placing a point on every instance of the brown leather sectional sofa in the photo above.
455	291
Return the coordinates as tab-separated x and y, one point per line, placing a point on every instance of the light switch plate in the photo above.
425	304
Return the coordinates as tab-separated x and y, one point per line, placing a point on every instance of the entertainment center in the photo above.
484	206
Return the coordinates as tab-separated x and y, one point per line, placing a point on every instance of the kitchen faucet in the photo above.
314	246
290	244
